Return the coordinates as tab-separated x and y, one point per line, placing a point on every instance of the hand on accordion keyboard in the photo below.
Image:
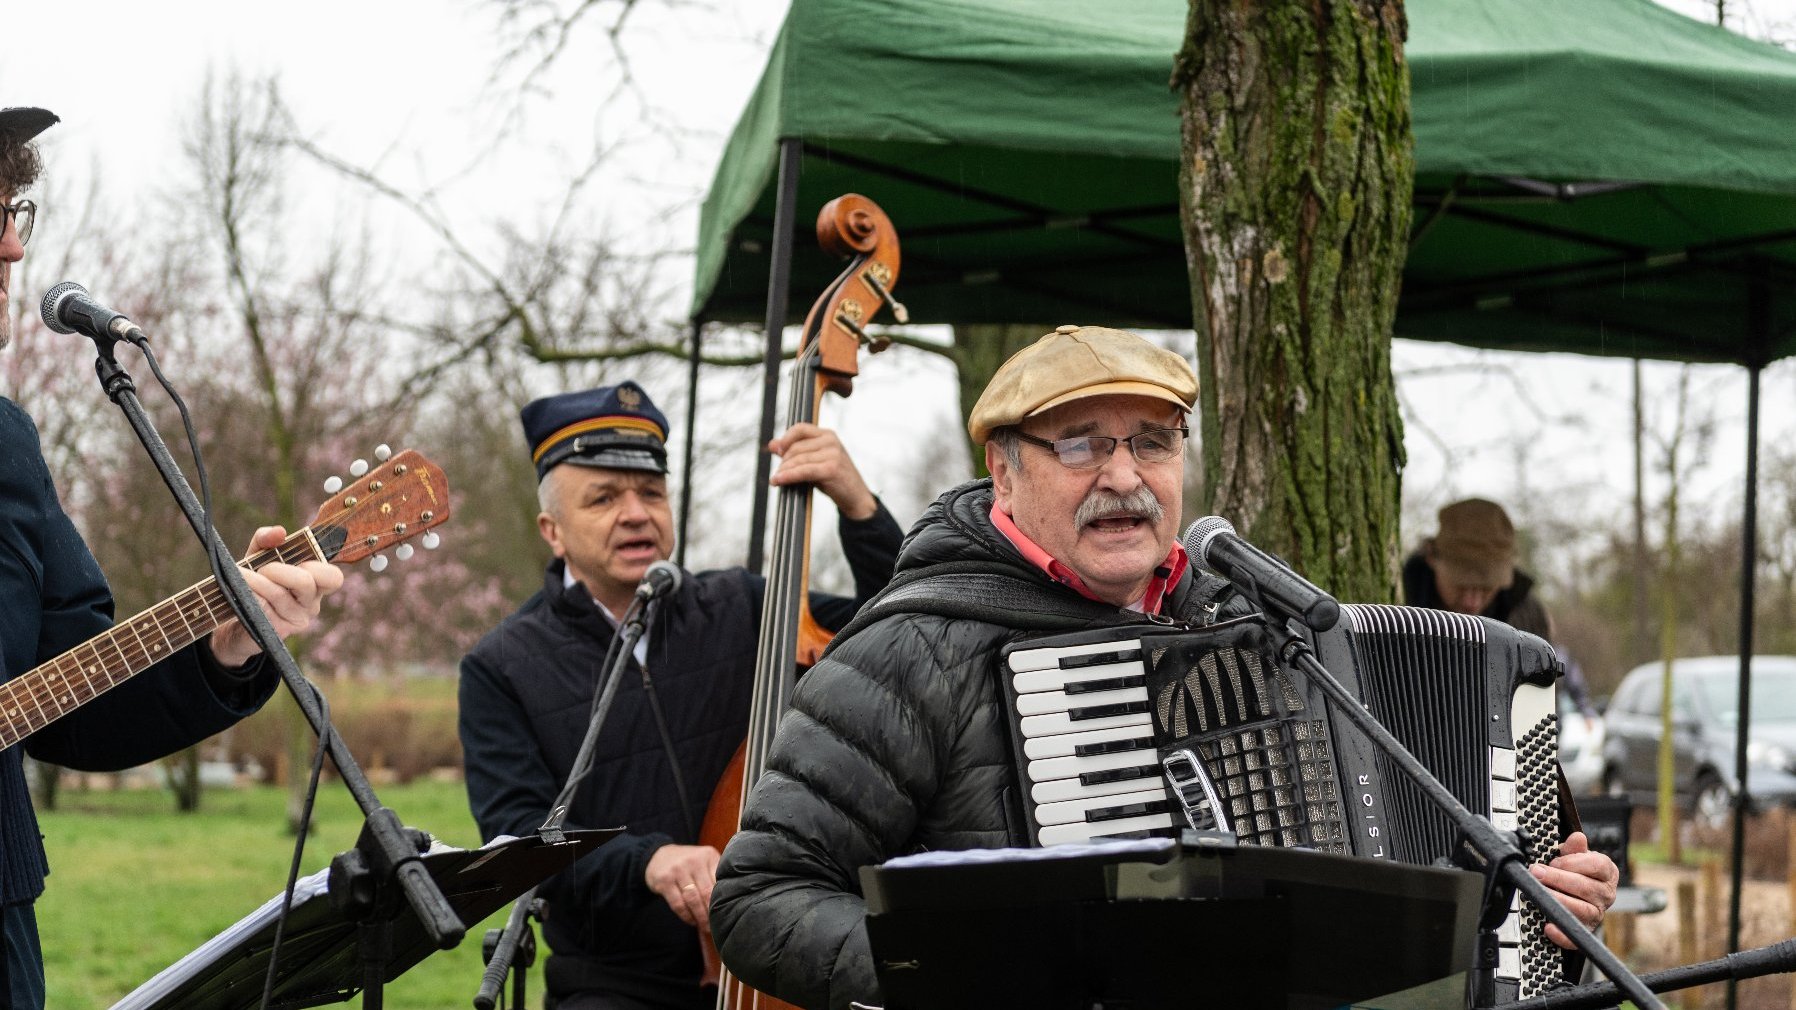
1582	880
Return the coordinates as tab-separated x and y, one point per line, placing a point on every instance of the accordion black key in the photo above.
1135	732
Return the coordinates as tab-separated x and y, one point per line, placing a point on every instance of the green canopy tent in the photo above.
1605	177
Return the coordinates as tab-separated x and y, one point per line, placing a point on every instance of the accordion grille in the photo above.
1278	784
1268	755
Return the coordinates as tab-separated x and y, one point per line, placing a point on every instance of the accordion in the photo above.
1135	732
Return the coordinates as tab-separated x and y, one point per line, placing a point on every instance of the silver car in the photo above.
1580	746
1705	709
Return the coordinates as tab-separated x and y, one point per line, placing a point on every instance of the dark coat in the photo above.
527	690
1516	606
53	598
895	743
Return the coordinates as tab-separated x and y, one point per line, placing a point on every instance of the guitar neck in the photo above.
40	696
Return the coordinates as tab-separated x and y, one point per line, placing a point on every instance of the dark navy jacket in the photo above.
526	694
53	598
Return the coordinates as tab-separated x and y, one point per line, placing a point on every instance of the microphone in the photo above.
1213	541
68	308
662	579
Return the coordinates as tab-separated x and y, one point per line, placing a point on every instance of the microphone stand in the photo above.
1504	862
1767	960
392	847
517	924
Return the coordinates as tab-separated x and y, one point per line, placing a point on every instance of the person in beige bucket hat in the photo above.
1468	567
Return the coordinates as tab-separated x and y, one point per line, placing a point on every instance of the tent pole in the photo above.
1748	564
698	343
1758	315
779	284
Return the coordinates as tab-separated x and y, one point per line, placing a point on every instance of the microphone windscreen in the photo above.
1199	534
51	310
664	576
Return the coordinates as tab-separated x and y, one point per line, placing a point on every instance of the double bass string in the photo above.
786	578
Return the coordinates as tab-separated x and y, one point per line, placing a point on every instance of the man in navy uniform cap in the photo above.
623	923
53	598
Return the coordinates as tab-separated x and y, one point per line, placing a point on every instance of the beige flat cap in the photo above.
1075	362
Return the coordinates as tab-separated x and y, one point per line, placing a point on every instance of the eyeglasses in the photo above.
23	213
1088	452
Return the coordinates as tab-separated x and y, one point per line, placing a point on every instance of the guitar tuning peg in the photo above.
358	468
379	564
431	540
383	452
403	552
333	484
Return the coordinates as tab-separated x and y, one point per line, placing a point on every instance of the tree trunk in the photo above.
181	771
978	351
46	781
1295	185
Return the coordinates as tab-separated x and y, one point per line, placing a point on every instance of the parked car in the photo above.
1705	711
1580	746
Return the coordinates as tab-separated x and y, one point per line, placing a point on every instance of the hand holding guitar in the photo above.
290	595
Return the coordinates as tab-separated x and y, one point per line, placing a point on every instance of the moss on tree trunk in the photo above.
1295	186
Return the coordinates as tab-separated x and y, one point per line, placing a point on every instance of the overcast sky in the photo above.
409	85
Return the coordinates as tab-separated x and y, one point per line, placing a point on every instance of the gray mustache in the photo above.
1139	502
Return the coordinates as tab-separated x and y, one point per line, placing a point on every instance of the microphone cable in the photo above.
602	694
299	848
667	746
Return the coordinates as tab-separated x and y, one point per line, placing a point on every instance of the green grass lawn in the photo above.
134	886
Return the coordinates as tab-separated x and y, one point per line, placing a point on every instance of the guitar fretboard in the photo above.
40	696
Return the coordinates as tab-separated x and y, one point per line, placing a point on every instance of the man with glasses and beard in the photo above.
895	742
53	598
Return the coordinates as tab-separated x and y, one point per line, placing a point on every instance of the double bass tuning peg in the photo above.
878	284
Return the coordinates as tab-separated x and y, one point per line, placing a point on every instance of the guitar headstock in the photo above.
398	499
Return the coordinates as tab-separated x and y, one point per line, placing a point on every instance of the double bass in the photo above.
791	640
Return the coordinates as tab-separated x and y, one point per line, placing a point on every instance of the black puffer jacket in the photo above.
895	743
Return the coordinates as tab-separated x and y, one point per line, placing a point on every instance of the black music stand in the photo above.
325	953
1156	925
